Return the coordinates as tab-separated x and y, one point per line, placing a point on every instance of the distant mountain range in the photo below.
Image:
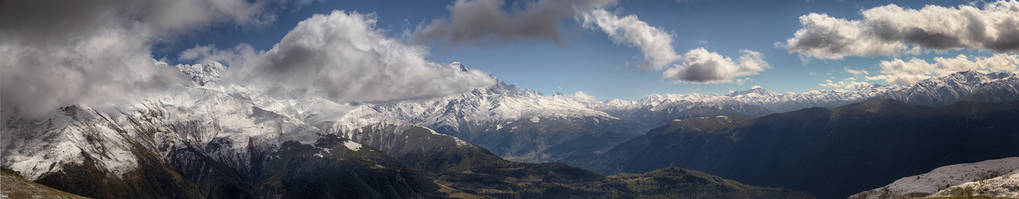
523	125
831	152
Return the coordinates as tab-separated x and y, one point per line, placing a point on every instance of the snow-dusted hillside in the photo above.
938	180
194	117
1005	186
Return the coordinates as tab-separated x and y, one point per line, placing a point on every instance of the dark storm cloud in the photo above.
476	21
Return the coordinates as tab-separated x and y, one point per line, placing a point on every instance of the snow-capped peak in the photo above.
202	73
459	66
756	90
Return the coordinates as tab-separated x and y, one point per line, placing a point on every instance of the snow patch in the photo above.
354	146
458	141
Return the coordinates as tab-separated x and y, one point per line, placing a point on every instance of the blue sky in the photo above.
588	60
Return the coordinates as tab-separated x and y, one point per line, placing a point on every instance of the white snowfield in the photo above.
957	175
209	111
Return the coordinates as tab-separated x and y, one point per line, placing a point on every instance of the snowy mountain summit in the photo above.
202	73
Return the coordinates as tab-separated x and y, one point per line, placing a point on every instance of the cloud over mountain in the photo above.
59	53
344	57
893	30
56	53
902	72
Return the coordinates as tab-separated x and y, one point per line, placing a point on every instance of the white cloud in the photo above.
698	65
653	42
827	37
702	66
580	95
236	56
344	57
892	30
476	21
849	83
857	72
57	53
898	71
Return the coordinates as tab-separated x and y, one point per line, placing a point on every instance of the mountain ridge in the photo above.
876	141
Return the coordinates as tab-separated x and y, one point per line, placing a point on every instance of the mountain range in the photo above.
219	139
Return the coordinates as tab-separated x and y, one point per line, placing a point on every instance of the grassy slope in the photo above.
13	186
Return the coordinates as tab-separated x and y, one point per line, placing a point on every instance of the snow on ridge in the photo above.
40	147
195	116
353	146
933	90
941	177
459	142
201	73
494	104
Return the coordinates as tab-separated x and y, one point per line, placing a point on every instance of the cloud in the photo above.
653	42
826	37
698	65
702	66
56	53
892	30
849	83
857	72
344	57
583	97
904	72
236	56
475	21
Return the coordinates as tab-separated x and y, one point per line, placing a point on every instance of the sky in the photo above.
588	60
388	50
